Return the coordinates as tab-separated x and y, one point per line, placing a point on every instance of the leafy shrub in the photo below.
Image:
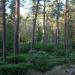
1	42
24	48
60	52
41	61
44	47
10	37
55	61
19	58
14	68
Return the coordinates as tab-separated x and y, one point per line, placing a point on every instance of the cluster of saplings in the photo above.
43	58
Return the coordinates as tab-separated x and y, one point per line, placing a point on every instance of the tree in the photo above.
34	25
10	32
1	26
57	24
4	30
44	18
57	13
16	27
66	32
39	37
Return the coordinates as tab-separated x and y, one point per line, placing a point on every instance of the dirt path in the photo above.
58	70
62	70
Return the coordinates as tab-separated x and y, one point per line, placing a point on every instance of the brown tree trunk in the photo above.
4	31
66	32
57	25
16	27
34	25
44	20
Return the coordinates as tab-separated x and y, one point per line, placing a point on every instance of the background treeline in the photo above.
40	39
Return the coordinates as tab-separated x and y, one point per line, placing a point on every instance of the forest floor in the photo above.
58	70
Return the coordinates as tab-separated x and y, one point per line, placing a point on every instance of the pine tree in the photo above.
16	27
34	25
66	32
4	30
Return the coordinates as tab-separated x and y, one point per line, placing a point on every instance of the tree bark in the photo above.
34	25
57	25
16	27
4	31
44	20
66	33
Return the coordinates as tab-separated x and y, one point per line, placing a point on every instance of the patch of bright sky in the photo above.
24	10
28	4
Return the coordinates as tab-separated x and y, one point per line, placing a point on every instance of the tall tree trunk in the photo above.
66	32
16	27
4	31
34	25
44	20
57	24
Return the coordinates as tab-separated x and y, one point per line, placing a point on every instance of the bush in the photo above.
55	61
44	47
60	52
24	48
10	37
12	69
19	58
41	61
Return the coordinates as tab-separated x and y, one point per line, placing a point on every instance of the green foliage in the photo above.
10	31
20	58
1	42
39	38
73	44
9	37
54	61
24	48
44	47
60	52
72	2
41	61
38	60
11	69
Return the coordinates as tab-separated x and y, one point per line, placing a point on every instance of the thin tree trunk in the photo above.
57	25
34	25
4	31
16	29
44	20
66	33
